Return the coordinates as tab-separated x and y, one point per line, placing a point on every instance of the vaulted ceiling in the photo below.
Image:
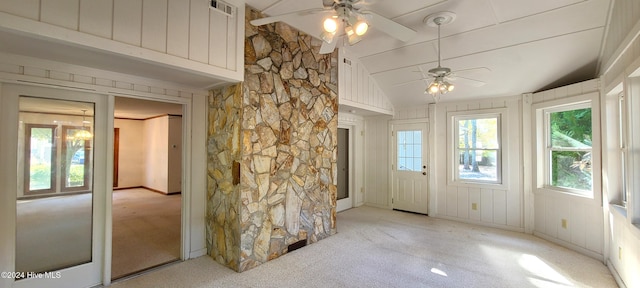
519	46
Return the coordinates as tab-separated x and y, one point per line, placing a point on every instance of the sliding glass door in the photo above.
57	218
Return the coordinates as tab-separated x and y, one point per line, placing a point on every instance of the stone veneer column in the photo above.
286	126
223	197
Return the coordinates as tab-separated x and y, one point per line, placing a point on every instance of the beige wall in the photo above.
131	153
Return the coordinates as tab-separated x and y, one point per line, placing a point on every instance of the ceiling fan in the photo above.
353	20
441	77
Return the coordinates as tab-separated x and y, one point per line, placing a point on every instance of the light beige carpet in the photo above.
53	233
383	248
146	230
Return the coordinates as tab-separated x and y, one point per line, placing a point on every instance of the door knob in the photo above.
424	173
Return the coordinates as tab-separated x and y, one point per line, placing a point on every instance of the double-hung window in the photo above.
477	144
568	131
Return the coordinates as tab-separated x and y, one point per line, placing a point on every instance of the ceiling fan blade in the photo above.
328	47
425	80
466	81
473	70
281	17
388	26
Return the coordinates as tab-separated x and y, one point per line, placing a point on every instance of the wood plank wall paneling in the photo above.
500	206
178	32
218	26
377	166
357	88
127	21
154	25
183	28
96	18
24	8
63	13
571	220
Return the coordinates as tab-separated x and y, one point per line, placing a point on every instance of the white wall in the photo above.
376	162
357	89
179	33
355	124
497	205
621	68
155	140
131	153
584	231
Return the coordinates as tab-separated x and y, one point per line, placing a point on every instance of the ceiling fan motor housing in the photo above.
439	71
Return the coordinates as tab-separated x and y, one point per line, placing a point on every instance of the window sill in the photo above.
620	210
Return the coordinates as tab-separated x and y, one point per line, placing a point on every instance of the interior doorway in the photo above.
147	200
345	200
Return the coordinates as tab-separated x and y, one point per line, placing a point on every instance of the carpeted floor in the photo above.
383	248
146	230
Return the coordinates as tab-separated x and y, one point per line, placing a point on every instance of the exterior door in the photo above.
53	224
409	171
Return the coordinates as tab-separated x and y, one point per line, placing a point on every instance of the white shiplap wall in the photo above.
497	205
583	216
357	88
621	61
185	32
377	166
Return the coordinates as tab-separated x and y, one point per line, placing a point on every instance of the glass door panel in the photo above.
54	209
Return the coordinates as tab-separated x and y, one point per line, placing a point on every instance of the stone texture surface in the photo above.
282	129
223	146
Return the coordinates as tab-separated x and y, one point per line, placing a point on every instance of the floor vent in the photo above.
297	245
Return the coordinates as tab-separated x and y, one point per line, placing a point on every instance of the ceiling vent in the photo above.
222	7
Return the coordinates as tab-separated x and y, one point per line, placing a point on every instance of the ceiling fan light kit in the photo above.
439	85
353	21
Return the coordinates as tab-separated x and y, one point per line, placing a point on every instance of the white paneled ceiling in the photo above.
520	45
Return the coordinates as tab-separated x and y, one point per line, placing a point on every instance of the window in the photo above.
75	166
568	133
56	145
40	157
622	132
410	150
478	154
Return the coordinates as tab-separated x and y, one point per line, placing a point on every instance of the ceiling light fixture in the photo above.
354	25
84	133
439	85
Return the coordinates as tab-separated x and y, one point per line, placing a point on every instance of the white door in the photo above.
53	216
409	171
345	200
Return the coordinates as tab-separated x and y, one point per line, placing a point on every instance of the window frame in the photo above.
87	161
454	158
623	150
27	156
548	149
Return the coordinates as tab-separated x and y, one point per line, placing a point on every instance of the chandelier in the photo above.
84	133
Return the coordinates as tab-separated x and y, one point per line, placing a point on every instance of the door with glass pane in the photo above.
57	219
409	174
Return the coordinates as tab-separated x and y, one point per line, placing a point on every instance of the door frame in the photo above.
425	157
348	202
88	274
186	197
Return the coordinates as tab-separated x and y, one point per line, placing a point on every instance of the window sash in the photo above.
550	149
458	149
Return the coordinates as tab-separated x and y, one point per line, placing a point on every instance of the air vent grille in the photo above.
223	7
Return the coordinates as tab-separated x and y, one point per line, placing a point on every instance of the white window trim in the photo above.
539	144
548	148
452	140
